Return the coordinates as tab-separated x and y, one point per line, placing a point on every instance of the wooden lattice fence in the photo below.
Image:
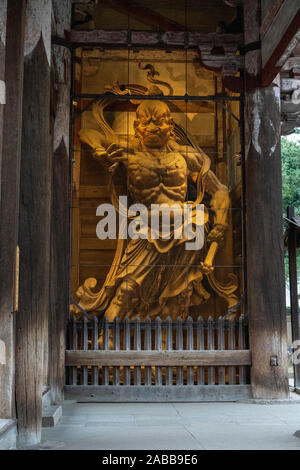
190	360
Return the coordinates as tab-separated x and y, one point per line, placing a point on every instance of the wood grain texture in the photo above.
3	19
279	28
147	38
34	241
269	15
158	358
61	202
60	256
284	43
265	273
9	199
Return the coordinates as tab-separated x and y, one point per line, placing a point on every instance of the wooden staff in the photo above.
208	262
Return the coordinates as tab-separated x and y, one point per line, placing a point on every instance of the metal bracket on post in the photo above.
273	361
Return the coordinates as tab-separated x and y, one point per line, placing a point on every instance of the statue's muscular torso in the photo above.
157	177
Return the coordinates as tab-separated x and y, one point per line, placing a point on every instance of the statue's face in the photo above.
154	124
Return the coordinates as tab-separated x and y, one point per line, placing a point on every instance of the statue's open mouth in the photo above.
152	138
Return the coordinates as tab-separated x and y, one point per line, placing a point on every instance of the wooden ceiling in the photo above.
203	16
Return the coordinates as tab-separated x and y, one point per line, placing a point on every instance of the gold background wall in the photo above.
210	123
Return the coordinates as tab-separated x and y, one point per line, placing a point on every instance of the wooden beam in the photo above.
230	42
280	40
158	358
269	12
265	267
35	221
9	199
229	62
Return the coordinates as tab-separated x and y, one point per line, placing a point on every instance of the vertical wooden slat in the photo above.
169	347
231	345
117	348
179	347
241	345
190	347
158	347
85	346
127	348
105	370
95	343
221	346
200	347
74	347
211	346
137	347
148	347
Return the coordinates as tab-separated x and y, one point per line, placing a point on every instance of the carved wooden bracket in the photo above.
222	58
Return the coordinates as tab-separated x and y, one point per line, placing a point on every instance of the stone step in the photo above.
8	434
51	416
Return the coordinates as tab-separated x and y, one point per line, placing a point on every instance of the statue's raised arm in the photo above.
108	152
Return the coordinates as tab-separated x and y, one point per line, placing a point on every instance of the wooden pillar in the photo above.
60	228
35	222
3	11
265	268
292	247
9	199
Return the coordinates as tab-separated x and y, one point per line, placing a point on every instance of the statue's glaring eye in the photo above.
145	121
159	122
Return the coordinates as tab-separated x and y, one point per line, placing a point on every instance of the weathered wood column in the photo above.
35	222
10	179
60	228
265	268
3	11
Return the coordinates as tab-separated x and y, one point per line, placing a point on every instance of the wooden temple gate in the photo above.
191	360
35	82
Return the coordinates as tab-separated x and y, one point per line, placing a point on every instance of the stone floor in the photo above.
163	426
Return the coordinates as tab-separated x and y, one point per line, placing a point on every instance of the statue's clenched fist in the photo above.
113	154
217	234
